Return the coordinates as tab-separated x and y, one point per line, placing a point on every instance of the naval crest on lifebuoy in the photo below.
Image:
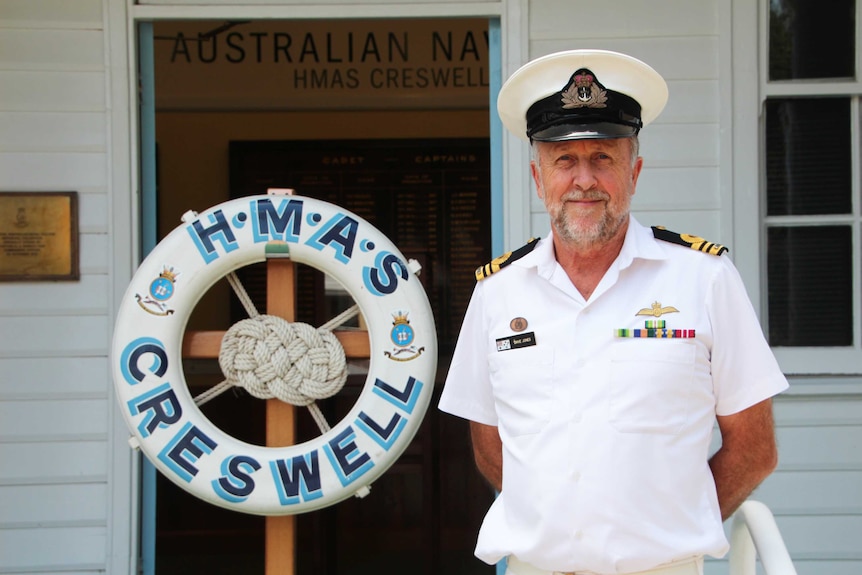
402	337
160	291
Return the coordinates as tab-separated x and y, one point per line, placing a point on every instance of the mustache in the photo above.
576	196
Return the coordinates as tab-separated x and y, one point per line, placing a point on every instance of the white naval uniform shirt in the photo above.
606	438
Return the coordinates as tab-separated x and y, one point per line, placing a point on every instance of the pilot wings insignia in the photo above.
657	310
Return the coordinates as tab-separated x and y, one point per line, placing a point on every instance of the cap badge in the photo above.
584	92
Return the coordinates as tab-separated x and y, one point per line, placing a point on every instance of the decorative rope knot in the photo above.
294	362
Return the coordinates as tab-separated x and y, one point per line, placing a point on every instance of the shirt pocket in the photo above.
652	386
523	385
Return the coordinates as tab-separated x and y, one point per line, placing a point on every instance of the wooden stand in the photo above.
280	424
280	416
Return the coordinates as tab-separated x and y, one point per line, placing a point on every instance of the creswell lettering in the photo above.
296	479
236	482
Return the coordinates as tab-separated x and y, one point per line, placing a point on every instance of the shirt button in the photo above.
578	535
576	476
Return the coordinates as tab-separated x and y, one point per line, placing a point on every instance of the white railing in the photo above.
754	534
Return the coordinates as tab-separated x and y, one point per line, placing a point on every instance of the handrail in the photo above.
754	533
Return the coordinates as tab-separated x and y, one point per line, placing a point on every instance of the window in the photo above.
811	209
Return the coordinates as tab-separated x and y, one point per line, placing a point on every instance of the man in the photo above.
594	363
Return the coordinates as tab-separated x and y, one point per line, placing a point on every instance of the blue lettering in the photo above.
219	230
384	436
339	233
382	279
236	483
406	399
133	352
346	459
184	450
161	406
297	478
271	224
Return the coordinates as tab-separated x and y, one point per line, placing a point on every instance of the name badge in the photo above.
516	341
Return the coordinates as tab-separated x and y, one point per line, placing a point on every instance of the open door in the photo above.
441	204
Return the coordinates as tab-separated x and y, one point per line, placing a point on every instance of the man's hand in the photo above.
748	454
488	452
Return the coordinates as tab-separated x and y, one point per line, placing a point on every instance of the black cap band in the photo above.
583	109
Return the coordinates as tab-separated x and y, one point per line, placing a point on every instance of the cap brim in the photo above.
546	75
594	131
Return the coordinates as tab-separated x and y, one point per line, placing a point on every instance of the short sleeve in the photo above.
467	391
744	369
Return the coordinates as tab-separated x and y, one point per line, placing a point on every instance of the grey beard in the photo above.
598	233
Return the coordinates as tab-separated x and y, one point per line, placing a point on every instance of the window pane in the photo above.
808	166
810	299
811	39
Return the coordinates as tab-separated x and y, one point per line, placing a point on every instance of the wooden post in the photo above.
280	538
280	424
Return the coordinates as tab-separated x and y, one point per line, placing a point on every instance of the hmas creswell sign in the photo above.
331	64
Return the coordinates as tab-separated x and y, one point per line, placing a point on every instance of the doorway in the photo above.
243	106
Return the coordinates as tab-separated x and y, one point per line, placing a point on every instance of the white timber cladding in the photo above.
680	185
67	477
56	408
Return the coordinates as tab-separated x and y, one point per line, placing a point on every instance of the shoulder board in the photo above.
693	242
502	261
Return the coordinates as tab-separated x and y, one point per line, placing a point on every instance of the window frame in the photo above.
797	360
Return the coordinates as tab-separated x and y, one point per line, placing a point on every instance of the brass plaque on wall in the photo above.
39	236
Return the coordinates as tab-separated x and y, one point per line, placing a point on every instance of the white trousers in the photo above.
693	567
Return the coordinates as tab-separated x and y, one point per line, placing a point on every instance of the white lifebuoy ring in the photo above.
198	456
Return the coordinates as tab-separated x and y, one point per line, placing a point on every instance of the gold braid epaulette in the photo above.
502	261
694	242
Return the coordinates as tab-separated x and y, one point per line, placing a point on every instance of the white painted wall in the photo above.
816	493
58	512
679	186
66	474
